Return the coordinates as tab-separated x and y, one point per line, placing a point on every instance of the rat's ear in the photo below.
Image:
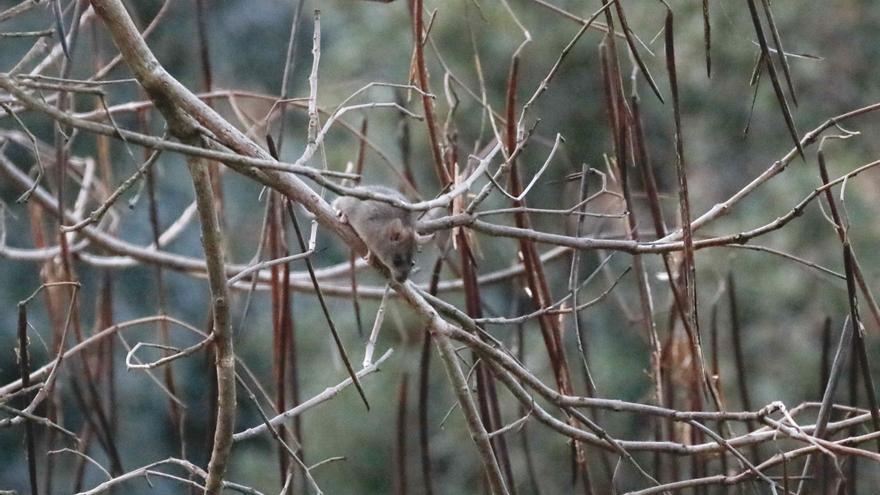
395	230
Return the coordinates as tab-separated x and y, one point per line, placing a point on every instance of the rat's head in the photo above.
400	245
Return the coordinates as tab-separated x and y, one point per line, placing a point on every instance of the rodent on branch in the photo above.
388	231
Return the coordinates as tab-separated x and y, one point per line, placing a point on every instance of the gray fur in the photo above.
388	231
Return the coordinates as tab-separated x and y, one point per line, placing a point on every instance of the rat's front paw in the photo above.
369	257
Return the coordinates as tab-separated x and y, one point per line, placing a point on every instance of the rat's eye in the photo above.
398	260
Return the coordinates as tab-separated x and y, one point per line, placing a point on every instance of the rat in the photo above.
388	231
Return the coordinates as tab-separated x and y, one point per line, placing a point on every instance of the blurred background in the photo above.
782	304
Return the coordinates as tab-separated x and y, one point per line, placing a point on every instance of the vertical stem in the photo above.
400	447
427	102
24	367
224	360
313	79
424	367
469	408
